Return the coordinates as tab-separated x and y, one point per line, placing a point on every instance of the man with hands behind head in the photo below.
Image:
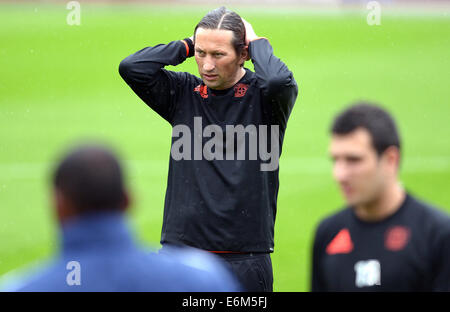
221	191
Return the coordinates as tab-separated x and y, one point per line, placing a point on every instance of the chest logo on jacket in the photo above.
396	238
203	90
341	243
240	89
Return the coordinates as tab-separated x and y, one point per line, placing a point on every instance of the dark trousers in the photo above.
253	270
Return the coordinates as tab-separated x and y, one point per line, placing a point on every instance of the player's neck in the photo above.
383	206
239	74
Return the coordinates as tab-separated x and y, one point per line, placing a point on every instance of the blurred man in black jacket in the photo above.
385	239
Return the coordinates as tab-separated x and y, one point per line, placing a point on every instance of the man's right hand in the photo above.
249	32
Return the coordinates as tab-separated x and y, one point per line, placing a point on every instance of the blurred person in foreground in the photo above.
98	250
386	239
221	193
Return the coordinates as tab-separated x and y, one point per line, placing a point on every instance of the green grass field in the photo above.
59	84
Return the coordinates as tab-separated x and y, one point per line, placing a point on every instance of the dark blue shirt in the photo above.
99	254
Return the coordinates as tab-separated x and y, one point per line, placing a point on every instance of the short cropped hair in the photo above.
377	121
90	176
222	18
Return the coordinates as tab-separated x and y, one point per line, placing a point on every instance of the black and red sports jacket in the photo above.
225	203
407	251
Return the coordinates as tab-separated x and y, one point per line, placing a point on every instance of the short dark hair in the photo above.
222	18
377	121
90	176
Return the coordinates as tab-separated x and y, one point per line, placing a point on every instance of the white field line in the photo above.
288	166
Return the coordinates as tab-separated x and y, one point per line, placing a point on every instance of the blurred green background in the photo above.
59	85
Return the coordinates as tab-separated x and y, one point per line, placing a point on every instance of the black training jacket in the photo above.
222	203
408	251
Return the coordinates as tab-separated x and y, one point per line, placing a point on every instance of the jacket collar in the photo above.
96	231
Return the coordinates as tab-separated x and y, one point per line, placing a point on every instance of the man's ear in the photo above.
126	203
64	208
245	56
392	157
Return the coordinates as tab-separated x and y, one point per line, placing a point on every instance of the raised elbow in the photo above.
124	68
